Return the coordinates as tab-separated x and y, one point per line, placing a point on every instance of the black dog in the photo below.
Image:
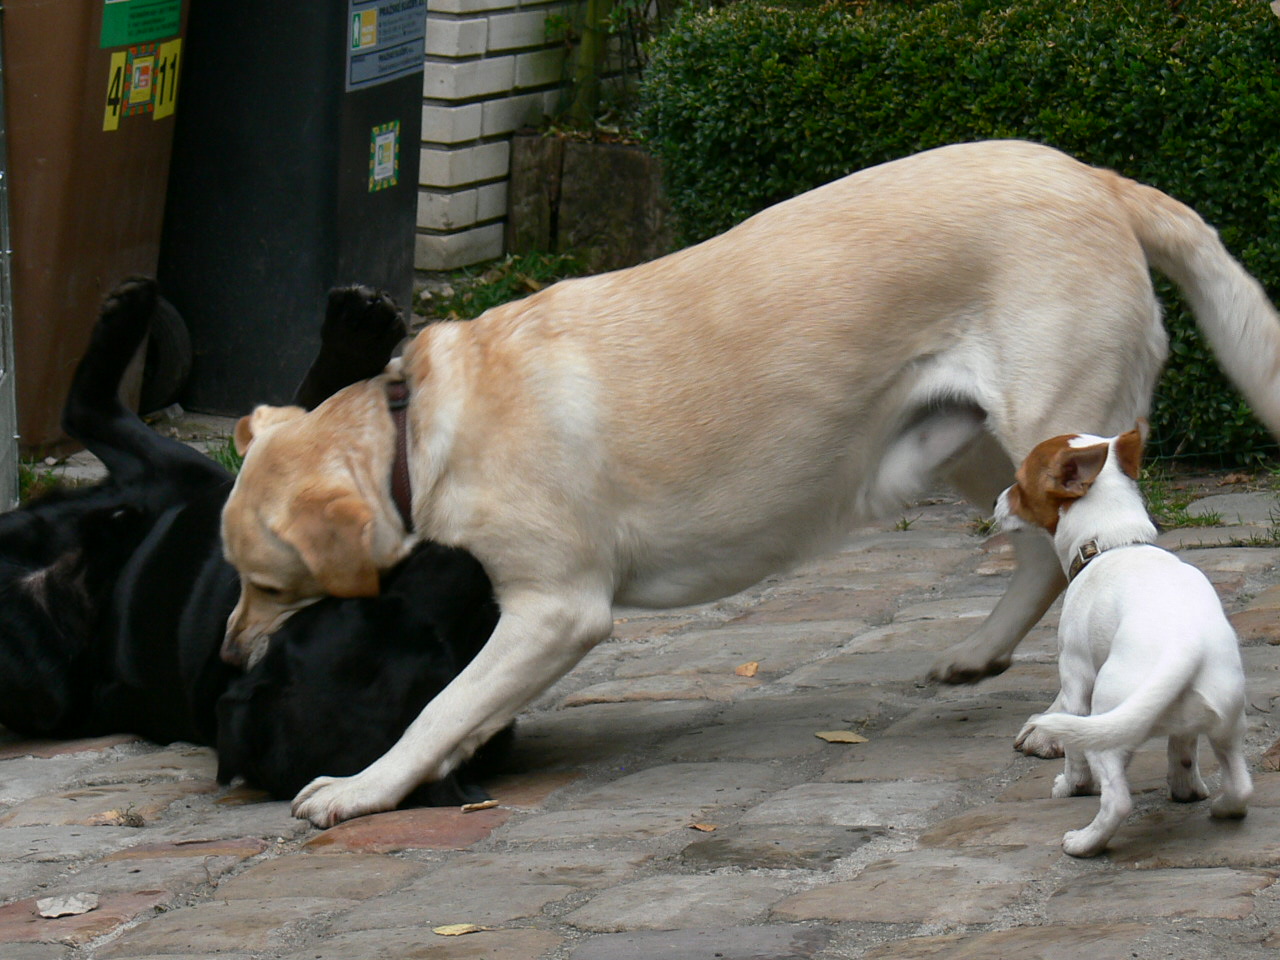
115	597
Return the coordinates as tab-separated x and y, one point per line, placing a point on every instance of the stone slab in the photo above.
493	889
665	687
688	786
222	926
969	887
1106	942
977	716
58	748
773	942
175	762
346	876
869	804
108	805
1238	508
1213	893
405	944
421	828
632	824
921	758
20	922
675	901
777	846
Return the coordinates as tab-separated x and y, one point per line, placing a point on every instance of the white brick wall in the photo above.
489	71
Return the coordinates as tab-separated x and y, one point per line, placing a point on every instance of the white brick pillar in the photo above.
489	71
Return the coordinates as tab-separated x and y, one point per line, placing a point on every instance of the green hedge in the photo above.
751	104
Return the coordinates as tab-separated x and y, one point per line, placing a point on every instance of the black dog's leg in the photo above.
362	327
94	413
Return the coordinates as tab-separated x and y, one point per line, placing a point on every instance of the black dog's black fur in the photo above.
114	598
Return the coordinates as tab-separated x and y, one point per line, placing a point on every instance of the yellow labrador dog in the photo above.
674	432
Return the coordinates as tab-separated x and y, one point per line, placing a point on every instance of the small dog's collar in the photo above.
1089	550
401	491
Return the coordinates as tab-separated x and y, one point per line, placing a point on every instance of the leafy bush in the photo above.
751	104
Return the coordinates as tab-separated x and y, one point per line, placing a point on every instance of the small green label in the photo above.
384	156
126	22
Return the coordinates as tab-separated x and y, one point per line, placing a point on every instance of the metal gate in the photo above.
8	399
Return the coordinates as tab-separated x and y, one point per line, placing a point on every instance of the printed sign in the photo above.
129	22
387	40
384	156
142	79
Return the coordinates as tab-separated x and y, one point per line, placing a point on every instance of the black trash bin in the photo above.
295	168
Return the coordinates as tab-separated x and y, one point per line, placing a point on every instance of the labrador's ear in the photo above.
1129	448
334	537
263	418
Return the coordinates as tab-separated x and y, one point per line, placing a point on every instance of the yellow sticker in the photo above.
115	91
166	79
141	77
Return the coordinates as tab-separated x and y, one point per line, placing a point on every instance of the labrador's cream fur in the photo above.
674	432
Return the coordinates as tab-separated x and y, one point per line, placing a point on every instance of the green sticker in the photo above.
127	22
384	156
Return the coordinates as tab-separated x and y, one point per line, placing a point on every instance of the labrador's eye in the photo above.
269	591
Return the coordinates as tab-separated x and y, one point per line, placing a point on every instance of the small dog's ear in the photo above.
262	418
1129	448
1075	469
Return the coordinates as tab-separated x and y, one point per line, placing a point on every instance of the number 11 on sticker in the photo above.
167	78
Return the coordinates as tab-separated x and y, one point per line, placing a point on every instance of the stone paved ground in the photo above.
664	806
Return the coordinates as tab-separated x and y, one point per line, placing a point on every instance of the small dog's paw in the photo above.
1192	792
1063	787
1228	808
1032	741
958	666
1082	843
326	801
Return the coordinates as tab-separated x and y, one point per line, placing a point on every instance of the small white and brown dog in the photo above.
1144	648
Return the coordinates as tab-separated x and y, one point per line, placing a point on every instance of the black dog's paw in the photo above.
122	325
127	309
364	322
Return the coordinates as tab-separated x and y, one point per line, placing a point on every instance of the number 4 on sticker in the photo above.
115	91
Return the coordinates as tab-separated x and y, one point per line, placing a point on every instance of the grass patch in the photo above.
1167	505
470	292
225	455
35	480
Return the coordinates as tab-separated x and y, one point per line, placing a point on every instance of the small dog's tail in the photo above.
1129	723
1230	306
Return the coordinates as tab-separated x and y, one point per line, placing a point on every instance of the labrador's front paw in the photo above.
961	665
326	801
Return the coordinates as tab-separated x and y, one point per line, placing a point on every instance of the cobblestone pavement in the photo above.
666	804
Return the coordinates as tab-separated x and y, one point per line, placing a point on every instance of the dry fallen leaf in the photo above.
748	669
481	805
68	906
840	736
117	818
703	827
1271	759
456	929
